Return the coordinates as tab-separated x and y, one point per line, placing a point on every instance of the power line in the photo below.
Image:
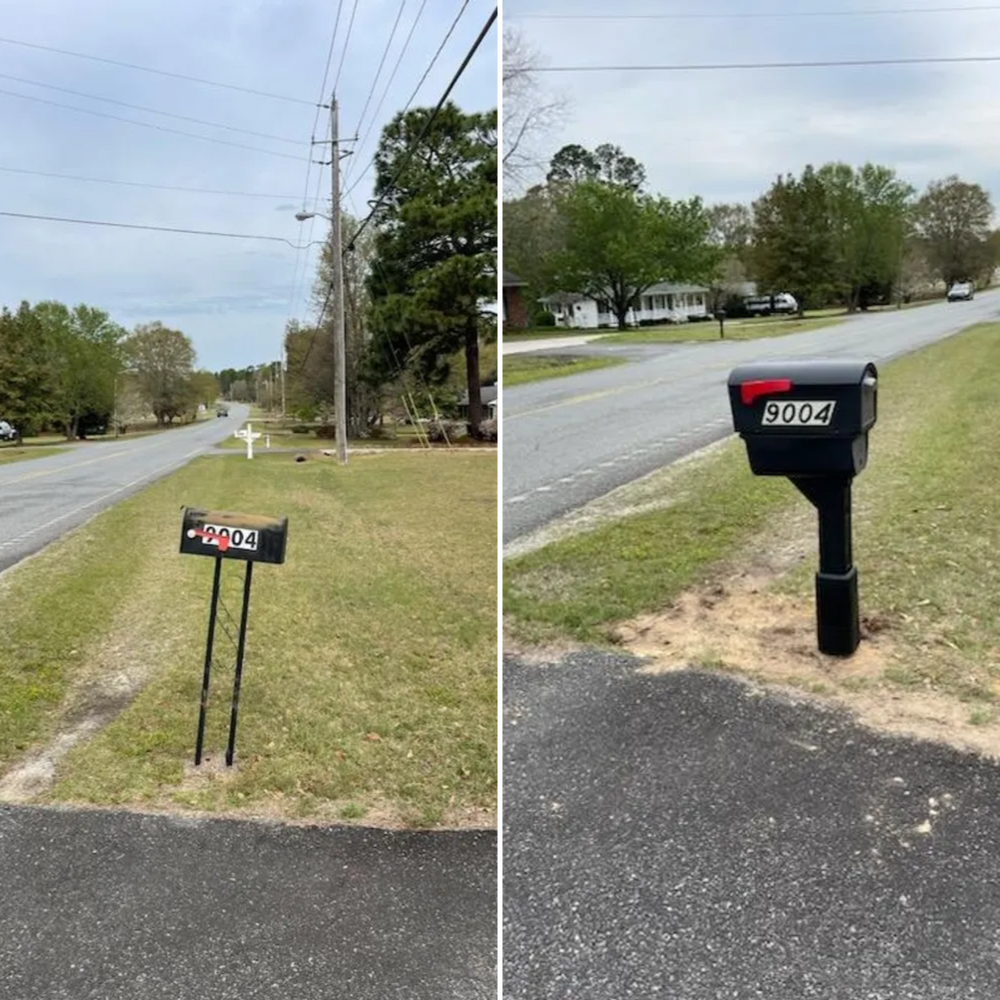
152	125
347	41
420	83
157	72
385	92
378	72
427	124
154	229
141	184
152	111
752	16
811	64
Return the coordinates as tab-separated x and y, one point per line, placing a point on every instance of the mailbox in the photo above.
805	418
249	537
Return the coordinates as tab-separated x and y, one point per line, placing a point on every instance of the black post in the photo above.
838	626
239	665
206	676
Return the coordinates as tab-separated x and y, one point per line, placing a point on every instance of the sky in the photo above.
725	135
232	297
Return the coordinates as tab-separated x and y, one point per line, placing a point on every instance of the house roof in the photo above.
510	279
661	288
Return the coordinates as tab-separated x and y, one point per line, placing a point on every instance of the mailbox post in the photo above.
223	535
809	421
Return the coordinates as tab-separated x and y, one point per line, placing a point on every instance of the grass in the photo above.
518	369
370	683
926	518
543	333
16	453
744	329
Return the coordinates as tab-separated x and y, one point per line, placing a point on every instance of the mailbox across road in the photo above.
809	421
225	535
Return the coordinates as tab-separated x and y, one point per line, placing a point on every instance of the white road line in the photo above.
543	489
519	499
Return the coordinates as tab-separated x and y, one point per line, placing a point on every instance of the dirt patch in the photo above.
739	623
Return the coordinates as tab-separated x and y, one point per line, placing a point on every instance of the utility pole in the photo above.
337	294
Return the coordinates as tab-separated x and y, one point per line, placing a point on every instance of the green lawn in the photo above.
18	453
742	329
927	530
370	683
520	368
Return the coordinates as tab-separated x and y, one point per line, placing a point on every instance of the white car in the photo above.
7	431
961	291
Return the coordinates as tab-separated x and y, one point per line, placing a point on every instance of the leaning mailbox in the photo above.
809	421
223	535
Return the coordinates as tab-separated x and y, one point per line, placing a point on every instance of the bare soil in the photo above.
740	622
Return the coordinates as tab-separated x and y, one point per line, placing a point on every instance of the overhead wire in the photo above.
149	228
408	155
150	125
416	89
142	184
747	15
385	90
157	72
805	64
152	111
347	41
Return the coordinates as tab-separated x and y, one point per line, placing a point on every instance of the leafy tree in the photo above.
573	165
953	220
204	388
533	232
86	357
619	243
163	360
435	264
868	217
26	370
793	246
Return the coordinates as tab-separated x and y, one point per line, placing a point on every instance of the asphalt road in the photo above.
570	440
42	498
684	836
105	906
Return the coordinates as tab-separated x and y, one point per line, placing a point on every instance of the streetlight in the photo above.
339	334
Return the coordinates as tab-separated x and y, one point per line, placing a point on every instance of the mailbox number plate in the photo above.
226	538
801	413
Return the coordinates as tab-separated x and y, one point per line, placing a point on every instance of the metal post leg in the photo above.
838	625
209	645
230	750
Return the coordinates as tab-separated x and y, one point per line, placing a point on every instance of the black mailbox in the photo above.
805	418
249	537
809	421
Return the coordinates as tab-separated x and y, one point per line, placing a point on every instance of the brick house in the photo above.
515	312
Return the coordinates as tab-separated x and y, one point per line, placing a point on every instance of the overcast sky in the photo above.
725	135
232	297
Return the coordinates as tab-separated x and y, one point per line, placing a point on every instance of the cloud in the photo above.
231	296
726	134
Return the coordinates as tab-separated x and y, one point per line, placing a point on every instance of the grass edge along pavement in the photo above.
926	532
369	690
519	369
706	332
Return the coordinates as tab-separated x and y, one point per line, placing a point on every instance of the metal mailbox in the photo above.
809	421
250	537
805	418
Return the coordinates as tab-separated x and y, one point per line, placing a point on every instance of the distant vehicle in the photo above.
764	305
222	411
961	291
7	431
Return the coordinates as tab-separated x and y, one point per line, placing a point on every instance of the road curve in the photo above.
43	498
567	441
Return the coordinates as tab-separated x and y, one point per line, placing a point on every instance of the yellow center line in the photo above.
64	468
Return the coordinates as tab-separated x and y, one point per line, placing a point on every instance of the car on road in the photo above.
222	411
765	305
961	291
7	431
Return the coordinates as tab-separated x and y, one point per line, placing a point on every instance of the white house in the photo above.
661	303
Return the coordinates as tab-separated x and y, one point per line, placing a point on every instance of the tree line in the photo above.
73	370
831	235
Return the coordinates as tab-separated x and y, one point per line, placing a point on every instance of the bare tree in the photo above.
528	112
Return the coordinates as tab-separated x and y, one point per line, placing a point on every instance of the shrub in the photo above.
545	318
328	431
488	430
